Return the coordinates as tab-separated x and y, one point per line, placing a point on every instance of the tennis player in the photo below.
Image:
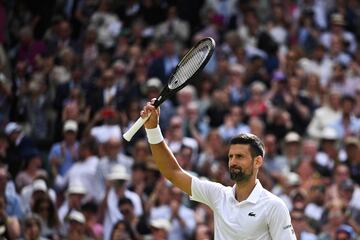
244	211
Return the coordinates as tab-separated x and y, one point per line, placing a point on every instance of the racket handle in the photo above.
134	128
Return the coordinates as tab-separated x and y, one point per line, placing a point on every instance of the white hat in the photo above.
12	127
77	216
292	137
39	185
161	223
76	187
71	125
329	133
292	179
154	82
118	172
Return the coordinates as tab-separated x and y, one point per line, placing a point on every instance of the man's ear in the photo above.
259	161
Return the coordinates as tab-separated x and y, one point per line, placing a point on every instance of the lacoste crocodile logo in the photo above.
251	214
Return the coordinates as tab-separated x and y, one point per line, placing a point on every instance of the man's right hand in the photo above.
149	108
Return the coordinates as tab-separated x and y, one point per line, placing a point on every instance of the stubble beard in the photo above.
239	176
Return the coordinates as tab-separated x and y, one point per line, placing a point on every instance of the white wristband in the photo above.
154	135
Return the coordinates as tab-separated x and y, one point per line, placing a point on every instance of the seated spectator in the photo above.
122	230
31	228
324	115
74	197
315	207
202	232
115	190
9	224
31	169
160	229
65	153
344	232
327	155
113	155
109	127
12	199
175	135
45	208
233	123
126	208
348	124
76	230
275	164
37	189
302	228
256	105
182	218
84	170
19	142
93	227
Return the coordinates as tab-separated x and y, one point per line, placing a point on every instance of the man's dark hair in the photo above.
256	145
125	200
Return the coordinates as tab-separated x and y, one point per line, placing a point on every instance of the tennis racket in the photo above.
186	70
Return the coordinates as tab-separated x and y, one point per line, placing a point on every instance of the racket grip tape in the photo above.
128	135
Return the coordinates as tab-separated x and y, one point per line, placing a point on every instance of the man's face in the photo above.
241	163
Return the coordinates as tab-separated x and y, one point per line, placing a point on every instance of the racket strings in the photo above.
189	65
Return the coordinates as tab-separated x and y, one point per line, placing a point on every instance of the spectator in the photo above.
31	228
113	156
83	170
202	231
65	153
108	127
19	143
233	123
32	168
162	66
107	24
45	208
348	124
275	164
301	226
122	229
337	28
115	190
29	48
37	189
175	27
181	218
74	197
9	224
76	226
327	156
160	229
126	208
352	150
93	227
175	135
7	189
330	109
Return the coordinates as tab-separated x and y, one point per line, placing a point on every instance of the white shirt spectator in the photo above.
176	232
104	132
113	214
84	172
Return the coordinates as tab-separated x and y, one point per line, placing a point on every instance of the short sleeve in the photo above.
280	222
205	191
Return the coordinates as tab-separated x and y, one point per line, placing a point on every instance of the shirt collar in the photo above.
255	193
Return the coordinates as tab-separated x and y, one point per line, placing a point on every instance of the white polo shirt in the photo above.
261	216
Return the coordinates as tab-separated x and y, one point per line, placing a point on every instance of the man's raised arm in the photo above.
162	155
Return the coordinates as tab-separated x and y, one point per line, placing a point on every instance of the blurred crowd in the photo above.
74	76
